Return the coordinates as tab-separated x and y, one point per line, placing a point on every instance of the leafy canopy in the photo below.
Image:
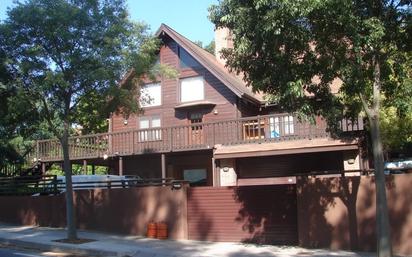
294	51
69	55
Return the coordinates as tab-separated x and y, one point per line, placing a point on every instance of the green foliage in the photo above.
396	130
56	169
70	55
210	47
294	50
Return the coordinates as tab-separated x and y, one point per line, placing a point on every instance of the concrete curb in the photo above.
63	248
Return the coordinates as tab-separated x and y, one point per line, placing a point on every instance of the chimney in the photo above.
223	39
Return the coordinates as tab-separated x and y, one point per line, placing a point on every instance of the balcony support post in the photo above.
163	163
85	167
43	168
120	166
216	172
93	169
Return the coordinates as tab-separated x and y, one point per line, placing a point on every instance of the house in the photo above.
207	127
242	158
240	154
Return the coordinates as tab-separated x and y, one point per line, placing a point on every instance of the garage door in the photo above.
259	214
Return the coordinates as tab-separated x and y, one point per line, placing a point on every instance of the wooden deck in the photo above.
199	136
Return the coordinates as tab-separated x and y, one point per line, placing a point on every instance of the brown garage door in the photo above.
259	214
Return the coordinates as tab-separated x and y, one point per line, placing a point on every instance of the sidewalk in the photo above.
115	245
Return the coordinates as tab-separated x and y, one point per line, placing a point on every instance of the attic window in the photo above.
186	60
192	89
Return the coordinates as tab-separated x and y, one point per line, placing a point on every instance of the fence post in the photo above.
37	150
133	142
55	184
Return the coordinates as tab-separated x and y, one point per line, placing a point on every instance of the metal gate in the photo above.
258	214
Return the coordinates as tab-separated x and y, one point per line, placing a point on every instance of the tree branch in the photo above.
376	84
48	118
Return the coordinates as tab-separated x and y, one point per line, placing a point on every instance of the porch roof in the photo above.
285	147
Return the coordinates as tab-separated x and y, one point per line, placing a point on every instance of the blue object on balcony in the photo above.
274	134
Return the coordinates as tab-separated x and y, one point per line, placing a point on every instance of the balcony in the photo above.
198	136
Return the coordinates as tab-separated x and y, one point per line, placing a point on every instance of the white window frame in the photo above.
281	126
185	96
151	133
148	100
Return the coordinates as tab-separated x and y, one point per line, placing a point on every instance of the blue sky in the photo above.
188	17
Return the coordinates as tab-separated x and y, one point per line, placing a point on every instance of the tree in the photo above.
396	116
210	47
17	119
294	50
65	54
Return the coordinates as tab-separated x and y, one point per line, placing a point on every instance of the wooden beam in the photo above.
120	166
163	163
43	168
214	173
84	167
247	153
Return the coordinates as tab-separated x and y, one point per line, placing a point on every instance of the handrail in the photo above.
175	126
272	127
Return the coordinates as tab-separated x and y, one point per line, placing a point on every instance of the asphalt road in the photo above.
5	252
11	251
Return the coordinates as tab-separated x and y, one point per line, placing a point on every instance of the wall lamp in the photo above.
176	185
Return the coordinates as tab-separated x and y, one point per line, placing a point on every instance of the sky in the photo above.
188	17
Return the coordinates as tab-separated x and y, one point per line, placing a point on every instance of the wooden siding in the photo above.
215	92
125	211
259	214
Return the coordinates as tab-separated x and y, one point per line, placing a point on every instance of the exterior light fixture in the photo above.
176	185
225	169
105	156
125	122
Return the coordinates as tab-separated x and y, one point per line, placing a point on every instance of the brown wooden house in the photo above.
240	155
207	127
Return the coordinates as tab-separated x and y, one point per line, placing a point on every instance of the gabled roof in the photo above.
209	61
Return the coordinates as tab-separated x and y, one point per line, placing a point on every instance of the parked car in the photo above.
97	181
398	167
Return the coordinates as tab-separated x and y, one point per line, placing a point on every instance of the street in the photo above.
12	251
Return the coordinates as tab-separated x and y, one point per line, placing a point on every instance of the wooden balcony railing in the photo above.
258	129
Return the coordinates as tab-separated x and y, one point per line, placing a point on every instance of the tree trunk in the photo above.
384	248
71	224
351	188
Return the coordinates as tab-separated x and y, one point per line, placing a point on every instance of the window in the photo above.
149	129
186	60
196	131
281	126
150	95
196	177
192	89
